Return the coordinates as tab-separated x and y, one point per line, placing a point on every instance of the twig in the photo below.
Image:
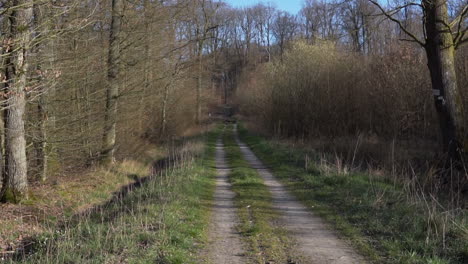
389	16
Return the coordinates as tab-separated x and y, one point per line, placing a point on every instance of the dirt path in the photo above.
315	242
226	246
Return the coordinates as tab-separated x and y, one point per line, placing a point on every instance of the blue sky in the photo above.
292	6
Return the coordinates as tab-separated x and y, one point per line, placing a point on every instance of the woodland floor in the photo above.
63	196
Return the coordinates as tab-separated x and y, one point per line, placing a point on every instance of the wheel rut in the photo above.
316	243
226	245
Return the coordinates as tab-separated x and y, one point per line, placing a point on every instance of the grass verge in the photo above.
382	220
163	220
64	195
267	242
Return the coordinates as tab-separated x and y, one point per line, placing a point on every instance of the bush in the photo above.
318	90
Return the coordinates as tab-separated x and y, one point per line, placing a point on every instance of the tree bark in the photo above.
41	49
199	81
440	52
16	73
108	146
164	108
5	32
147	60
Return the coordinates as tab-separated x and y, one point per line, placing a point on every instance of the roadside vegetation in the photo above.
267	242
67	196
388	221
162	219
93	92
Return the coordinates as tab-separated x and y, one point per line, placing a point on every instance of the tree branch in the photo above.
458	40
458	20
389	16
463	41
407	40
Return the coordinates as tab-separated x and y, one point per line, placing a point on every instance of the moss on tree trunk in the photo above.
440	52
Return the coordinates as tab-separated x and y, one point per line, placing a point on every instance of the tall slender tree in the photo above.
204	13
43	52
108	146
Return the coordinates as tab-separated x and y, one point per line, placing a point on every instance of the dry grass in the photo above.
403	216
63	196
161	218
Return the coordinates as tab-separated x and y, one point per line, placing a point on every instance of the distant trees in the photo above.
203	15
357	17
284	29
264	15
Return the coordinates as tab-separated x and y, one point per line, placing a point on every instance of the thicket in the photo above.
323	92
320	91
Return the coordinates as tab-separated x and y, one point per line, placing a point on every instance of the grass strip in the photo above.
162	221
373	213
267	242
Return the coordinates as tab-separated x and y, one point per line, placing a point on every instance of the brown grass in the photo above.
63	196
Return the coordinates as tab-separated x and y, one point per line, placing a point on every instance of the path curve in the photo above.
226	246
315	242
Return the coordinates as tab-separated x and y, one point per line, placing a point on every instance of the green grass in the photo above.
162	221
266	242
373	213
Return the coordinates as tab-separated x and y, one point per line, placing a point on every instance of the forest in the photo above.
125	117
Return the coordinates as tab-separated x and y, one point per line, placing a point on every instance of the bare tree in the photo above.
204	12
310	20
265	16
356	22
108	147
440	40
284	29
43	75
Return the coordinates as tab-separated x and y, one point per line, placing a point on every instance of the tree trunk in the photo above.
440	52
108	146
147	60
5	31
200	81
164	108
40	142
16	73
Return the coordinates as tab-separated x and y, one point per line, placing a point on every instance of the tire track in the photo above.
226	246
315	242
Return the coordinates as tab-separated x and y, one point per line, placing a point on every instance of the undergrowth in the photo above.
163	220
385	221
